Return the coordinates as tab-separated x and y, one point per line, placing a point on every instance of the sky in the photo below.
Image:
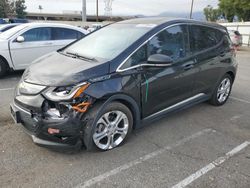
121	7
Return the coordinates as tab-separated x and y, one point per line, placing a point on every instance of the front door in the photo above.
162	87
37	42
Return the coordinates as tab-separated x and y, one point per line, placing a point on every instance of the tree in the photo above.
242	9
10	8
211	14
239	8
227	8
6	8
20	9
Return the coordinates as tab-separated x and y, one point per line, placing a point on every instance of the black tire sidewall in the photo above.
95	114
3	68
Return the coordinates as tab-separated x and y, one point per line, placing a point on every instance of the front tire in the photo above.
3	68
111	127
222	91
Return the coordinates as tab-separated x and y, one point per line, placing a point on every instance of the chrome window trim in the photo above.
124	61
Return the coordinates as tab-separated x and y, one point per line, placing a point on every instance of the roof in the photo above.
46	24
41	24
164	20
148	20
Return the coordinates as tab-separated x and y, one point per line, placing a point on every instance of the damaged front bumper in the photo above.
49	128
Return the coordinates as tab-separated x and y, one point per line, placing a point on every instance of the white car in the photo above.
236	37
24	43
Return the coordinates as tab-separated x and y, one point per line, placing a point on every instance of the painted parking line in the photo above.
210	166
241	100
6	89
140	160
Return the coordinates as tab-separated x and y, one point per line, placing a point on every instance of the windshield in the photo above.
9	33
108	42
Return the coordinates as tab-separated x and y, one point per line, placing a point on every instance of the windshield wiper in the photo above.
76	55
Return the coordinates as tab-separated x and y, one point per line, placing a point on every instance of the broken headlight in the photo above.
29	89
65	93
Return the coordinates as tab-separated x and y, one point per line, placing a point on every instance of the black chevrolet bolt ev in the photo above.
95	91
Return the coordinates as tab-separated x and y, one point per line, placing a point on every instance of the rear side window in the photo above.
202	38
66	34
37	34
172	42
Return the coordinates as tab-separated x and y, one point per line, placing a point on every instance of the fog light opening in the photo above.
53	131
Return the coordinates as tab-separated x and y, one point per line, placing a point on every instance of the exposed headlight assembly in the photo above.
58	94
29	89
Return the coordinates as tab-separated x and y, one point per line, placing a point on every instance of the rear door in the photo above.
205	47
37	42
63	36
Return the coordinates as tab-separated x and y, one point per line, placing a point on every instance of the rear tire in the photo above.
3	68
110	128
222	91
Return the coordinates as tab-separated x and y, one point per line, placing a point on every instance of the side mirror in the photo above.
160	59
20	39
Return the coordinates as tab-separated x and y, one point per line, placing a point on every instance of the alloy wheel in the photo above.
111	129
224	90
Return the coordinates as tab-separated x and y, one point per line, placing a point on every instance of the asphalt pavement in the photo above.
203	146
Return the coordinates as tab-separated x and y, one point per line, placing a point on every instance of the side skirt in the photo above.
199	98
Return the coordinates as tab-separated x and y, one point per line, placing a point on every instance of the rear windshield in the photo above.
108	42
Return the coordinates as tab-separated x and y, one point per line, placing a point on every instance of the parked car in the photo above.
95	27
18	20
3	21
236	37
24	43
97	90
6	27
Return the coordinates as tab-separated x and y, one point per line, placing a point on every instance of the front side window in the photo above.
37	34
172	42
139	57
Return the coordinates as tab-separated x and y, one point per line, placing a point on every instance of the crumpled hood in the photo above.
55	69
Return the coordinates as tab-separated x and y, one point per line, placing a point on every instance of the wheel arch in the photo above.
130	103
231	73
6	62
